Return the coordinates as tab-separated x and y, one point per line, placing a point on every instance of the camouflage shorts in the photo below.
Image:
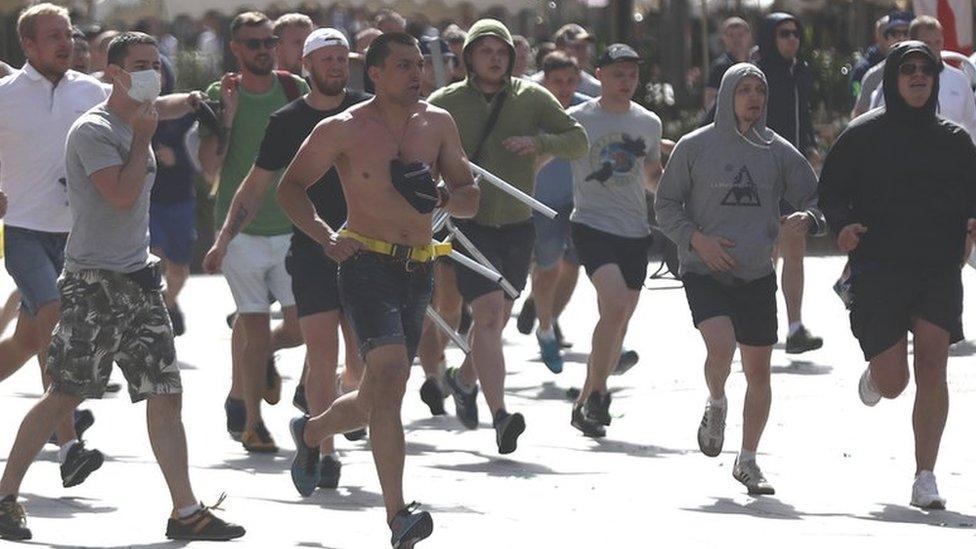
106	318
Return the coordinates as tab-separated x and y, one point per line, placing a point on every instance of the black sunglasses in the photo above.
909	69
787	33
255	43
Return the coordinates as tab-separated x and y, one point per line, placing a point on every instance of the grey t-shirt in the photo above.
103	236
608	182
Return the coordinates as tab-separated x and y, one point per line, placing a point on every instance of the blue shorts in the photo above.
173	229
386	300
553	239
34	259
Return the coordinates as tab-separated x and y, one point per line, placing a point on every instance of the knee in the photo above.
757	377
614	309
720	353
387	385
490	317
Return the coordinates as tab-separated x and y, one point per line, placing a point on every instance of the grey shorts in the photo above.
107	317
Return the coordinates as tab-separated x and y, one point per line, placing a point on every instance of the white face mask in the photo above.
145	85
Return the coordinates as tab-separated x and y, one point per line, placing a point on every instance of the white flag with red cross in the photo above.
956	17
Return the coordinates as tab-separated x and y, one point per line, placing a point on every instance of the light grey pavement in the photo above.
843	472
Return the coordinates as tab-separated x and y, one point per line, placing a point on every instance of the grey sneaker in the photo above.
749	474
408	527
305	464
865	388
925	493
711	432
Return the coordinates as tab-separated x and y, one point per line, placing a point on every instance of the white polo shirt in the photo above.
35	116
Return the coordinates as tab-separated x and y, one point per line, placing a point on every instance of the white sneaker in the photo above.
865	388
711	431
749	474
925	493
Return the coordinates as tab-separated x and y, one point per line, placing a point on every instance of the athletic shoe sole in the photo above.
432	396
421	530
526	317
755	490
508	441
934	506
356	436
627	360
90	463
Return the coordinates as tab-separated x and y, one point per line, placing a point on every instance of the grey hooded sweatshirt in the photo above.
723	183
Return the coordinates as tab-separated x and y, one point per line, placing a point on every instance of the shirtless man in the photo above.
382	150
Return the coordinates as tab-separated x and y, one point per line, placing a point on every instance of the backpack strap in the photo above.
289	84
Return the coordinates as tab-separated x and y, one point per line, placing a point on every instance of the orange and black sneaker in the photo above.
203	525
13	520
258	440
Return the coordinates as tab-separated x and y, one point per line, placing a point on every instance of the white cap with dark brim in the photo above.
323	37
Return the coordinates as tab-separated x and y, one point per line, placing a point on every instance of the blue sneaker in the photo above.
465	403
305	464
552	356
408	527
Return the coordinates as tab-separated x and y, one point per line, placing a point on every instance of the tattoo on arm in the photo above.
237	221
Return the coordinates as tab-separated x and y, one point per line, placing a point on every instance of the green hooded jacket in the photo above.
528	110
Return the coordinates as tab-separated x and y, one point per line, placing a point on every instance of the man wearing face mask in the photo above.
313	274
254	265
897	191
719	201
113	310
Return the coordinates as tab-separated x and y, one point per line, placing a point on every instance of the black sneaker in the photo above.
305	464
299	401
83	420
627	360
13	520
597	408
802	341
563	344
508	427
272	383
78	464
526	317
587	426
433	396
465	403
409	526
113	387
236	417
203	525
329	471
357	435
176	318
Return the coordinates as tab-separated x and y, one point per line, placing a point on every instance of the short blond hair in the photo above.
299	20
27	20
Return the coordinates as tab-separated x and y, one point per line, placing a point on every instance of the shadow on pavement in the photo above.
568	357
446	422
803	368
912	515
262	464
633	450
159	545
760	507
495	467
64	507
345	498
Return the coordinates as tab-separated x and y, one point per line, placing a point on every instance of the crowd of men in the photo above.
331	159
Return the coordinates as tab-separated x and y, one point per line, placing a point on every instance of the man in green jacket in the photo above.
530	124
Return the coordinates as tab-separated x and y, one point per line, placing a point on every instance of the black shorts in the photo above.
886	300
508	248
314	279
751	306
596	248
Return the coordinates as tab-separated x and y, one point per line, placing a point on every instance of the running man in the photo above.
111	294
905	247
719	201
313	274
386	152
610	227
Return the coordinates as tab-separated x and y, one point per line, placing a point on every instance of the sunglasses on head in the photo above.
788	33
255	43
910	68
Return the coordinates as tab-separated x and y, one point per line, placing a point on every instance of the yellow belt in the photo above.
420	254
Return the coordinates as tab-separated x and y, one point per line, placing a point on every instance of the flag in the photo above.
956	17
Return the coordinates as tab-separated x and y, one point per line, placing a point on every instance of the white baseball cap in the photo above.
324	37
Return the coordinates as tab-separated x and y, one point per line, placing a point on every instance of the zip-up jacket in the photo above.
790	86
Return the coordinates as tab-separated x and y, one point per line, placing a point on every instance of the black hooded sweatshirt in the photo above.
906	174
790	86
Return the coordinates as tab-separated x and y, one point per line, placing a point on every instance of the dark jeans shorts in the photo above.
314	280
34	259
751	306
173	229
508	248
886	300
385	299
597	248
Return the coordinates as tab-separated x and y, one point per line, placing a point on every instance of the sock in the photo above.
746	455
546	335
721	402
184	512
65	448
498	416
794	328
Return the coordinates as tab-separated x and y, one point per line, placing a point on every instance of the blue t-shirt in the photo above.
554	182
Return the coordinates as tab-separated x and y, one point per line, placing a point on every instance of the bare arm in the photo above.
652	174
245	205
456	171
177	105
213	149
122	185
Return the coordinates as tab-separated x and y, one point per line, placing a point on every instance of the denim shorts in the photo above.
173	229
553	239
385	299
34	259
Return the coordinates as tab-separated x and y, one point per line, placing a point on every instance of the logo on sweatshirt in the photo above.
616	155
743	190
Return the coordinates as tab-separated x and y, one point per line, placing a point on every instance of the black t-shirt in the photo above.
287	129
717	71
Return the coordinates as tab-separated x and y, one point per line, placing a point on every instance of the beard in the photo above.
260	66
329	86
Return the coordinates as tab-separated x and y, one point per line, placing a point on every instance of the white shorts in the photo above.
255	271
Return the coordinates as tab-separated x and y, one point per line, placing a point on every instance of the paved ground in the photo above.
843	472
